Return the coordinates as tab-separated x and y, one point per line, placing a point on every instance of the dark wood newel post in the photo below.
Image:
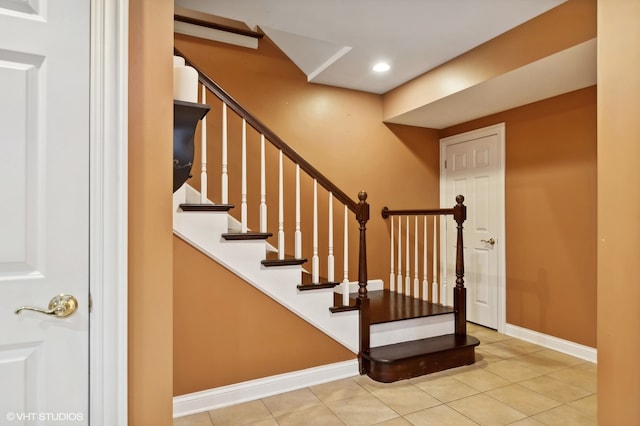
460	292
362	216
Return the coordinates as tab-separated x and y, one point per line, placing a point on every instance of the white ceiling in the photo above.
336	42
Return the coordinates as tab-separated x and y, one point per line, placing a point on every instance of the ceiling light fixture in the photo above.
381	67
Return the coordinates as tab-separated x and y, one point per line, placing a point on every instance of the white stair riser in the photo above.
419	328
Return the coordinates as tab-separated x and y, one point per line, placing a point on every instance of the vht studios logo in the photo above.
45	417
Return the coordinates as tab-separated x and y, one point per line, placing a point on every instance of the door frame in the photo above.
108	212
500	131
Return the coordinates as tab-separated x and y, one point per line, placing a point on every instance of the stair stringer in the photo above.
203	231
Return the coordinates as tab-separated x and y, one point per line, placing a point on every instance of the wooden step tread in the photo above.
419	357
421	347
206	207
387	306
308	284
243	236
272	260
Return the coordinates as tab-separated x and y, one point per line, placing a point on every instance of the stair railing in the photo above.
360	209
431	219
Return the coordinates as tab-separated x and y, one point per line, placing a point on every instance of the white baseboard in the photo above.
251	390
565	346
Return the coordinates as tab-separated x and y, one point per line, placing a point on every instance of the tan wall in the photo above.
550	183
150	227
618	212
226	331
562	27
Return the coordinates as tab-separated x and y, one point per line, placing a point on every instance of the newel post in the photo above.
362	216
460	292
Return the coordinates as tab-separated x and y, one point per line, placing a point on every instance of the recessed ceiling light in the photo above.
381	67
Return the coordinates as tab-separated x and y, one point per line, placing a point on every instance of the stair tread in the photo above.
416	348
388	306
272	260
196	207
308	284
237	235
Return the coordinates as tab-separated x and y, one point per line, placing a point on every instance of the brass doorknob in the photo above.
489	241
61	306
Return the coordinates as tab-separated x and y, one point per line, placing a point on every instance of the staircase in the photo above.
396	332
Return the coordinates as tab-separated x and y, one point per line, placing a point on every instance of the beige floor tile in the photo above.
565	415
361	410
523	399
581	376
526	347
512	371
486	411
291	401
266	422
487	336
398	421
318	415
480	379
484	353
587	405
200	419
406	399
339	389
241	414
554	389
446	388
529	421
548	361
371	385
440	415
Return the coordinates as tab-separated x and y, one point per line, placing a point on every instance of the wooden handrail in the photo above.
414	212
272	137
216	26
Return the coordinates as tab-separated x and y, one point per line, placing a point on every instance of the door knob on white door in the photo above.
61	306
489	241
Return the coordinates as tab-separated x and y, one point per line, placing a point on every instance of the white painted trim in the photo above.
214	34
251	390
557	344
500	131
108	212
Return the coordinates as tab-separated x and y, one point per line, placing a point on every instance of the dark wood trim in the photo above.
244	236
206	207
319	286
216	26
272	137
415	212
283	262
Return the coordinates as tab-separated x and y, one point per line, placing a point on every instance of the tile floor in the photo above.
513	382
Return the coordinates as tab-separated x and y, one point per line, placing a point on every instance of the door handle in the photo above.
61	306
489	241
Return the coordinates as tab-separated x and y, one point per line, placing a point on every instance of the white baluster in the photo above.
407	279
330	258
425	282
243	189
298	234
224	179
416	281
434	280
444	291
345	281
280	210
203	146
392	276
263	188
400	278
315	261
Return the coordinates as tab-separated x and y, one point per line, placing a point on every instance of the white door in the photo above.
473	166
44	212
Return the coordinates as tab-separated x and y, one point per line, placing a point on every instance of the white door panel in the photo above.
44	153
473	167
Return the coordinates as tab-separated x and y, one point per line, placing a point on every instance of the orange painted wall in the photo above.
226	331
618	212
550	183
150	222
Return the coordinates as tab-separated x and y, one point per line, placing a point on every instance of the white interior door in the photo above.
44	213
473	165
